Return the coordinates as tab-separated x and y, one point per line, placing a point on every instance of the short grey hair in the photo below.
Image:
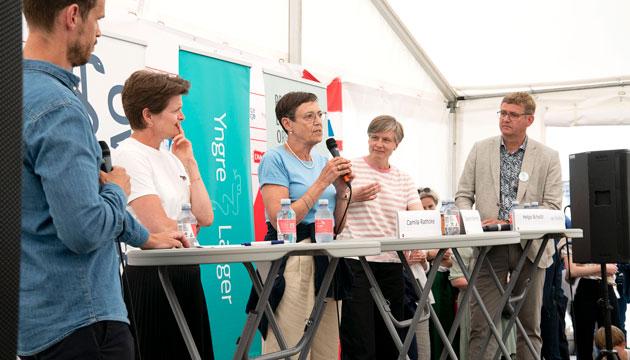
383	123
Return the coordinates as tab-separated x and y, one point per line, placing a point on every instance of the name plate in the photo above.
418	223
472	221
538	219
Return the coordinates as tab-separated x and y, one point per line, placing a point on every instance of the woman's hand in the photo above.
366	193
334	171
418	257
182	147
611	269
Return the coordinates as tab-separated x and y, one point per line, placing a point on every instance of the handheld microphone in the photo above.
106	164
331	144
497	227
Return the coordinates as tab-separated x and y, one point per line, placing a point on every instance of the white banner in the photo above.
102	80
275	87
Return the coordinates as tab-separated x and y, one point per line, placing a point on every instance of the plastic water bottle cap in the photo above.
285	201
323	202
186	206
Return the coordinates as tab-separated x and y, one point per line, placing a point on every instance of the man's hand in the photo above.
166	240
366	193
117	176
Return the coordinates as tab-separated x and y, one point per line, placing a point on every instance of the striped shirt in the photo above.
377	218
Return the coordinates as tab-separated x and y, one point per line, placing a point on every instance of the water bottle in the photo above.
451	218
324	223
186	223
444	203
285	222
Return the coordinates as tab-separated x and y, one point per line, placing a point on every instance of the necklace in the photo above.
300	160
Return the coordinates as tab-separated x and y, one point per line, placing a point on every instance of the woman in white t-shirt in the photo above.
161	182
380	191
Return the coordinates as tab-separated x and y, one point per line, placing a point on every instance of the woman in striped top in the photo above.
380	191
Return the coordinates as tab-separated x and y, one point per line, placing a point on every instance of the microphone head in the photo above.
331	143
104	147
106	164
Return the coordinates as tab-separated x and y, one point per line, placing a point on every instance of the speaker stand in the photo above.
608	352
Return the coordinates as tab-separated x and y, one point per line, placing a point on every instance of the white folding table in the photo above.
483	241
247	255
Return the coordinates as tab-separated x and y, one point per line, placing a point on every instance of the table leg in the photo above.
506	296
177	312
483	251
514	316
420	291
271	317
254	317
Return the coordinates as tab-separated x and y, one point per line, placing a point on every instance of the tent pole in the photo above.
295	31
452	149
414	48
550	90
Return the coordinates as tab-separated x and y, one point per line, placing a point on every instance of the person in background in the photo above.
618	341
380	191
622	280
162	180
500	170
70	302
444	293
587	312
554	306
458	281
295	170
422	341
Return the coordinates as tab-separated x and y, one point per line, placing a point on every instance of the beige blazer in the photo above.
480	183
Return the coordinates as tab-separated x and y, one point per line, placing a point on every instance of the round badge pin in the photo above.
523	176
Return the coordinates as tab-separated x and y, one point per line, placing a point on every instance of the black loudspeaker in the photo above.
599	205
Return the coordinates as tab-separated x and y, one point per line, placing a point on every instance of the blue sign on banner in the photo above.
217	124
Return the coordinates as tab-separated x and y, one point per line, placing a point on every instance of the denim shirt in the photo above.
70	223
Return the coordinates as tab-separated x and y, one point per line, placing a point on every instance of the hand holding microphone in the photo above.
113	174
340	166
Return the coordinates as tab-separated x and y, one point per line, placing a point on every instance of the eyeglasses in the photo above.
311	116
510	114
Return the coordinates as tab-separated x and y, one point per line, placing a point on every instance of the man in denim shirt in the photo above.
70	294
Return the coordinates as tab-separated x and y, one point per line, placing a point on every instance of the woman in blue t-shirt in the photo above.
293	170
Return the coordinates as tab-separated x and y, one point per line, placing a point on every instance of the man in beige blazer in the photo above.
499	170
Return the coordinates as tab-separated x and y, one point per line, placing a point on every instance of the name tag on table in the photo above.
472	221
418	223
538	219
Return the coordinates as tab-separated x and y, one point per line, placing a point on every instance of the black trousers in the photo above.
159	337
588	314
103	340
363	332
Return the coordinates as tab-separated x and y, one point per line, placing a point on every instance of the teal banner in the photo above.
217	124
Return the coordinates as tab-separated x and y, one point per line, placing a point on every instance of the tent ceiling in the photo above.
479	47
504	44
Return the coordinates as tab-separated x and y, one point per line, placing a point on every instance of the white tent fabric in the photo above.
481	47
424	120
502	43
